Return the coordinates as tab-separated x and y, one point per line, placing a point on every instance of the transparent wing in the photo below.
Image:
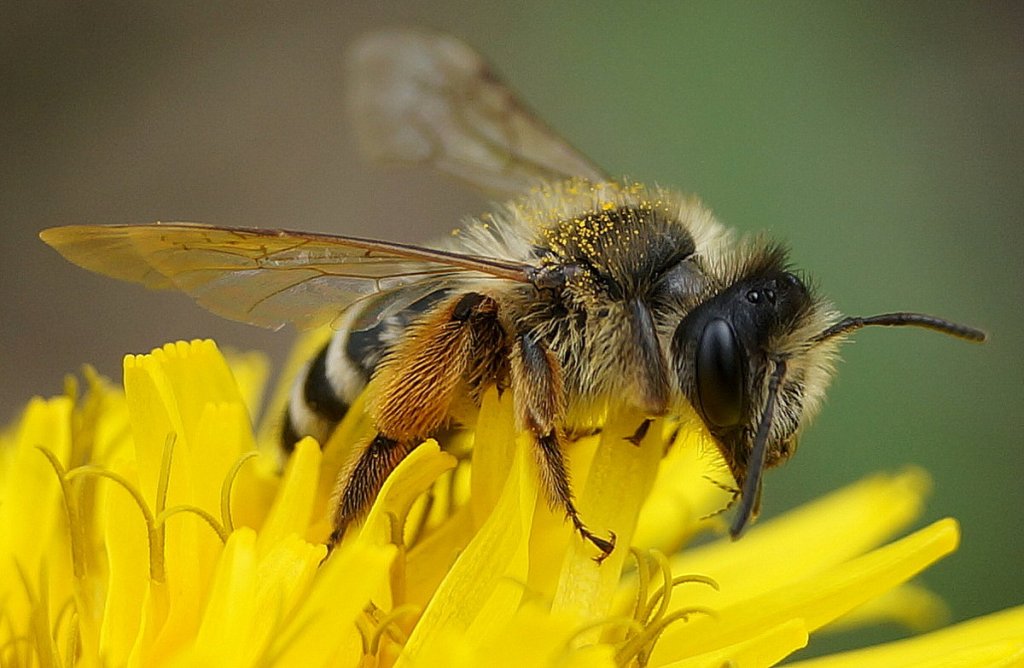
428	98
266	277
392	302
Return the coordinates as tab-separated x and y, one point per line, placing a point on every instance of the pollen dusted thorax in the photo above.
614	271
607	302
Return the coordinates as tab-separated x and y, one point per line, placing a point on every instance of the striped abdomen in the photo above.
326	387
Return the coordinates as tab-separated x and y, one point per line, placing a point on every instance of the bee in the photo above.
580	293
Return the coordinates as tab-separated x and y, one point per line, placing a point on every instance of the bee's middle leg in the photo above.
537	385
417	383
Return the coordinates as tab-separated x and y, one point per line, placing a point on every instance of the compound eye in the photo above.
719	372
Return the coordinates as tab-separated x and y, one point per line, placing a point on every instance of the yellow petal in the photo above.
351	435
434	553
223	638
303	350
682	501
478	585
484	587
127	552
101	428
31	505
493	453
430	559
763	649
817	599
190	425
192	547
250	371
993	640
293	506
167	393
800	543
620	477
532	637
252	598
284	575
322	630
413	476
913	606
222	434
33	528
151	648
253	490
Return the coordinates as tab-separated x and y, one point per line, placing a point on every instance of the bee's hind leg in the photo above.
416	384
359	485
537	385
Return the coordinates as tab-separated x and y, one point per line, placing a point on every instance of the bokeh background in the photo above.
882	141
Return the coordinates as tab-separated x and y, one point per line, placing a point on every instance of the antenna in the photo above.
901	319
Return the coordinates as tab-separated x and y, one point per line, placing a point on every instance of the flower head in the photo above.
146	527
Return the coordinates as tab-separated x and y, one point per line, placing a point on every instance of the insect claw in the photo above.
638	436
334	539
606	546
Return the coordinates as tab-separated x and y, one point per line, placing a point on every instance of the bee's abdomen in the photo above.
325	389
322	393
319	394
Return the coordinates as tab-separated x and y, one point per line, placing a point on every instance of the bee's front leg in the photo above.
540	404
415	386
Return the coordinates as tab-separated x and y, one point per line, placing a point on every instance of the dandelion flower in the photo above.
151	527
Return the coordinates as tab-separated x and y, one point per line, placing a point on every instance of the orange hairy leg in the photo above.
416	386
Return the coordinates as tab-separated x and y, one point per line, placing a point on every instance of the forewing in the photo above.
264	277
428	98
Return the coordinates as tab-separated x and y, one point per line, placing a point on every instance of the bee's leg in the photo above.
358	485
579	434
640	433
537	384
415	387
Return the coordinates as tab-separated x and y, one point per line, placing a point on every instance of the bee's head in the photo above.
754	360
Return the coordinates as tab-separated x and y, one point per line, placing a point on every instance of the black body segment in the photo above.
319	394
289	435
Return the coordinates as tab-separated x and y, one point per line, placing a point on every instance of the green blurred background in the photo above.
882	141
